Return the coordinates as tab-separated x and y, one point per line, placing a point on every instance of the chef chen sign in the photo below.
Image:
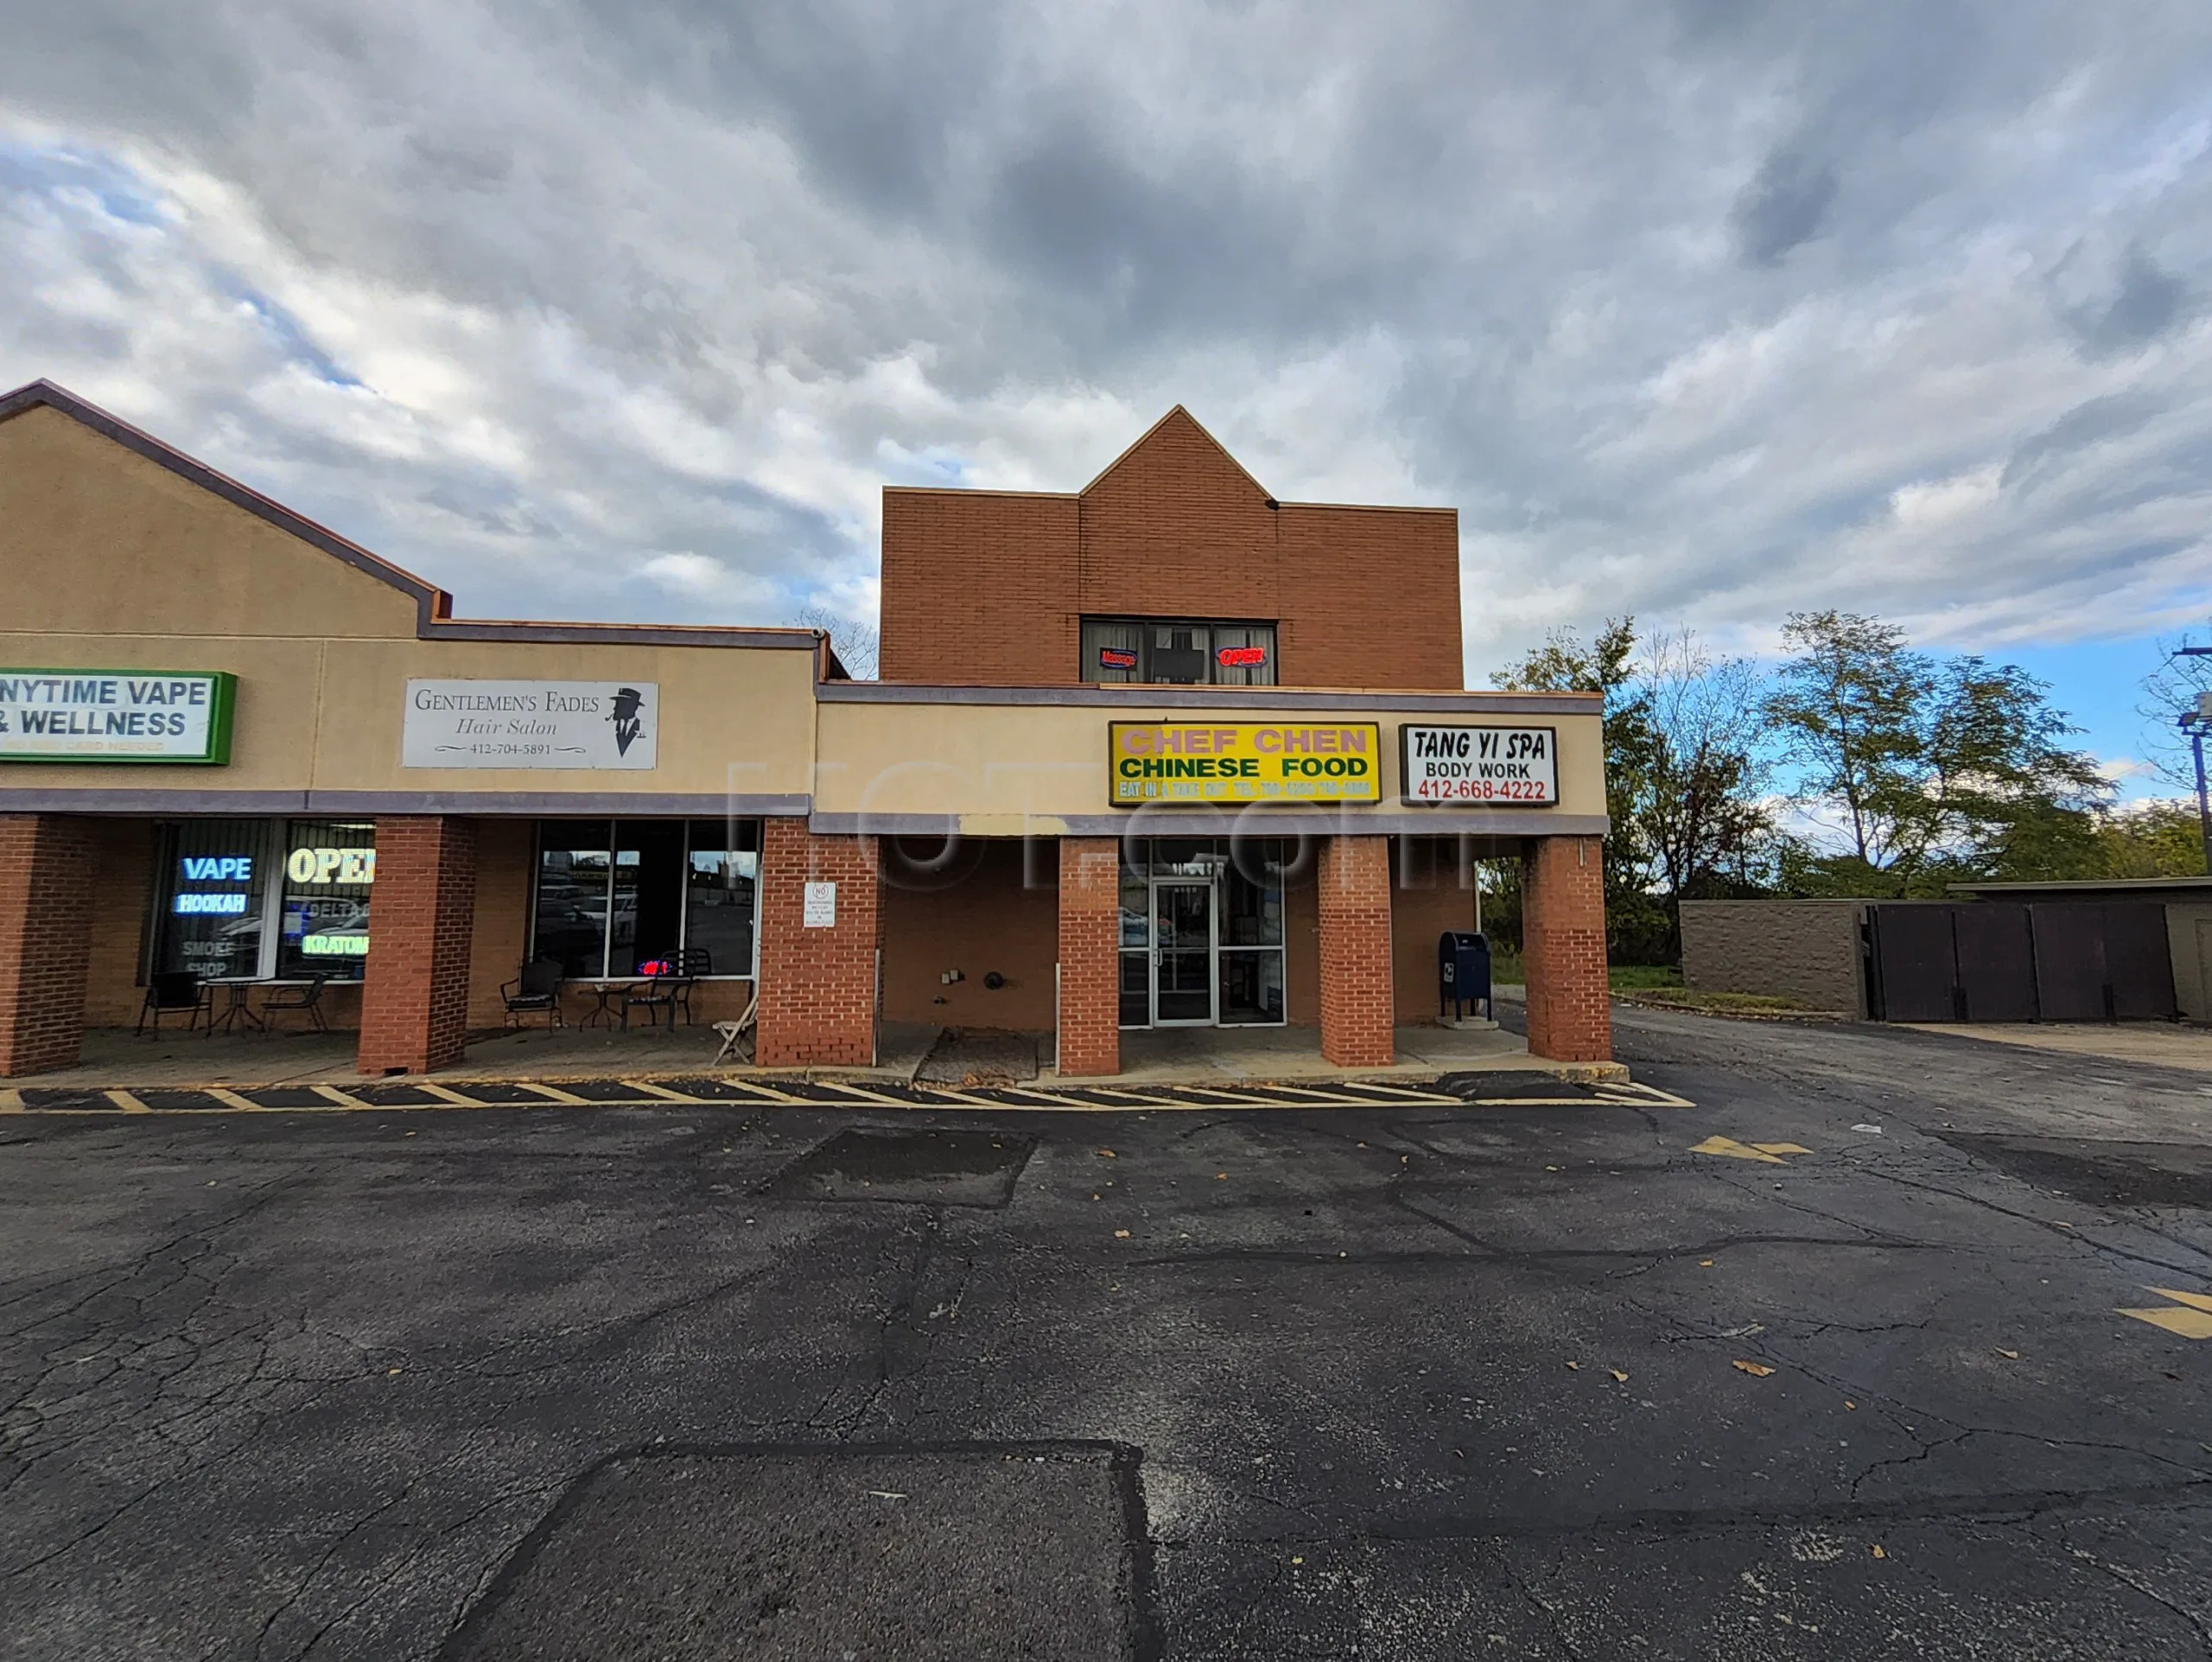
582	724
174	716
1479	766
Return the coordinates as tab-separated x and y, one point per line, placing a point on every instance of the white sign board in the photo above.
595	724
1479	766
115	715
821	907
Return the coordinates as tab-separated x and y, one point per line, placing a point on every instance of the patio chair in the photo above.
173	991
536	987
733	1032
306	998
670	988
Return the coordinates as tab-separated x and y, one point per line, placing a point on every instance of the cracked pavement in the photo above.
1393	1384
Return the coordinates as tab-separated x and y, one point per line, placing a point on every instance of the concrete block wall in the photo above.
1790	949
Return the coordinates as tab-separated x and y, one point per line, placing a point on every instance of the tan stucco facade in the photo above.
114	560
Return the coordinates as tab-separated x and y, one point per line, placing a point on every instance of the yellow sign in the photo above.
1244	761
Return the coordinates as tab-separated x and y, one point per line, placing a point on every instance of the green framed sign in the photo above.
98	715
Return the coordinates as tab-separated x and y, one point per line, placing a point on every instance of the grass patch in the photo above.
1634	977
1747	1003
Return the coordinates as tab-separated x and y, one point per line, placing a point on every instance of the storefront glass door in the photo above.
1182	954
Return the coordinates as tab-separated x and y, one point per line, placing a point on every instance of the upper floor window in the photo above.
1178	652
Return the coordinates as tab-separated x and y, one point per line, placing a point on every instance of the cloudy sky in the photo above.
1710	309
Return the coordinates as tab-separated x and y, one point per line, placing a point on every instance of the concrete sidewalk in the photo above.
2162	1044
115	1058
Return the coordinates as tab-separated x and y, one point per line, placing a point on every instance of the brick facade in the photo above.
990	587
1563	949
1352	885
817	986
994	909
1090	957
421	921
46	924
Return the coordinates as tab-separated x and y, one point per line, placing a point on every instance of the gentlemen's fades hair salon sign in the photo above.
172	715
586	724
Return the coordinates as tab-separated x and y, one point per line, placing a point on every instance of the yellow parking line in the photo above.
335	1095
128	1104
11	1101
663	1092
444	1095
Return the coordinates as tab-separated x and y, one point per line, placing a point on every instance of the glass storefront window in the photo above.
329	867
1225	902
1252	989
575	858
616	895
214	896
722	893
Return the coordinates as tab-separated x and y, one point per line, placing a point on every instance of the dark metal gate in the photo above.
1999	961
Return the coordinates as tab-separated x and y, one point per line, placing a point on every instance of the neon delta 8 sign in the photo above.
1479	766
160	716
1201	762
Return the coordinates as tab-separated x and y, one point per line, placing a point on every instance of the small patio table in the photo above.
239	989
606	989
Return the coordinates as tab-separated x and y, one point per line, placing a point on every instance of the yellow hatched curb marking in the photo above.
124	1100
11	1101
2192	1321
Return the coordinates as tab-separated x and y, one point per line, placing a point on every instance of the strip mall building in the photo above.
1165	751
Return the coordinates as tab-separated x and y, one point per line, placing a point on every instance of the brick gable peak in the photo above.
1178	429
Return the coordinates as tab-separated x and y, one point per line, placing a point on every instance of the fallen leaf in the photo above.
1757	1370
1619	1375
1705	1263
1221	1177
1106	1154
389	1371
2009	1355
1574	1365
1096	1196
1298	1561
1850	1404
1120	1234
1878	1552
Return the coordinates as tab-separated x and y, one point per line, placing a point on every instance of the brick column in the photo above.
422	916
1090	956
817	986
1353	878
1563	949
45	931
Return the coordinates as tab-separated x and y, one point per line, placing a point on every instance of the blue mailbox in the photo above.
1463	972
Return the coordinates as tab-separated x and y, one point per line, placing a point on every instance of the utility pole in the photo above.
2196	724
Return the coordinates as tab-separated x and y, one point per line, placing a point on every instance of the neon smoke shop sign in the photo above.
171	716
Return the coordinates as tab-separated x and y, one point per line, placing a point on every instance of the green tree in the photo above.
1938	770
2150	839
1702	810
1637	927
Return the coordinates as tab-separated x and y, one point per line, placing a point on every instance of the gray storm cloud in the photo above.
1709	311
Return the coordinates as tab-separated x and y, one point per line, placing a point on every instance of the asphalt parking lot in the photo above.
1836	1363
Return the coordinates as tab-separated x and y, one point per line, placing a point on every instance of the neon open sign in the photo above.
332	866
1241	657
